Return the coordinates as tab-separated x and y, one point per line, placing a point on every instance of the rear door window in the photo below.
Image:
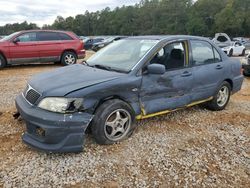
217	57
48	36
202	52
64	36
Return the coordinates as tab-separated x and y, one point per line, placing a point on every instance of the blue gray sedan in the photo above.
131	79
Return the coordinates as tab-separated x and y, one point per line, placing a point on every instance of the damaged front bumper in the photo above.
53	132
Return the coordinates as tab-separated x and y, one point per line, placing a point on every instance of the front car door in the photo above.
208	69
172	89
24	50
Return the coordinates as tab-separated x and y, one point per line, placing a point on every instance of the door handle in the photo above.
186	74
219	67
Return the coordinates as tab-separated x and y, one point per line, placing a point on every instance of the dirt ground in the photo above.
197	147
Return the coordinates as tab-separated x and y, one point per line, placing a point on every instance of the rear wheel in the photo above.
113	122
221	98
68	58
2	62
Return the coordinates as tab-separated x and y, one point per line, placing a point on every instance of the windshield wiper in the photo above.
101	67
105	67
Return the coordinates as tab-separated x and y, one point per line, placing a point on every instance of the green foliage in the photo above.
11	28
200	17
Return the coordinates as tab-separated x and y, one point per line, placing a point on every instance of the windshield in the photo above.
121	55
9	37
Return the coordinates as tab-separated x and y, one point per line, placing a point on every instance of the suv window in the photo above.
48	36
202	52
64	36
27	37
172	56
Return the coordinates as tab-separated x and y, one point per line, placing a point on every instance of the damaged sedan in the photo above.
130	79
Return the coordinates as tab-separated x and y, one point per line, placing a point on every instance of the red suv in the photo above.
40	46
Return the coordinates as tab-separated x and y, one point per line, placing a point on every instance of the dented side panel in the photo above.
168	91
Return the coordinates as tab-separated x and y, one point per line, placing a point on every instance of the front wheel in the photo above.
221	98
68	58
113	122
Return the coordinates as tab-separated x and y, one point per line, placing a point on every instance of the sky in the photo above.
45	11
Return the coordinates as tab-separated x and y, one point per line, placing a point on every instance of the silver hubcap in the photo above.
222	96
117	125
70	59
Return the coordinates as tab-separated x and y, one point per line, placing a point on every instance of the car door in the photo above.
170	90
50	46
23	49
208	70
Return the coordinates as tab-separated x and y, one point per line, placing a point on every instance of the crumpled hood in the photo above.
62	81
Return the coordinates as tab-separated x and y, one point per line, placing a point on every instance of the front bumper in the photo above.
52	132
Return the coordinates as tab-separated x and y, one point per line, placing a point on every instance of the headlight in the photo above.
60	104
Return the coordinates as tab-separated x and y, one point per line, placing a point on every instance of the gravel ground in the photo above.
187	148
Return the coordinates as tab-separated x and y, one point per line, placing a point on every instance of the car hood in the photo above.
63	81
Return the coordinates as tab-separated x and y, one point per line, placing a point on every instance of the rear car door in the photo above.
172	89
24	49
50	46
208	69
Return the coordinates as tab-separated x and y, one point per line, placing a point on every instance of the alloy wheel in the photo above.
222	96
117	125
70	59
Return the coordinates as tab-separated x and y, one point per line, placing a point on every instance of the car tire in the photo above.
230	54
243	52
113	122
68	58
2	62
221	98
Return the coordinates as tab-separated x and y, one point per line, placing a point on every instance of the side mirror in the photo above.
156	69
16	40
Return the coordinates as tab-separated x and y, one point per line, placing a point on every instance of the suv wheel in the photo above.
68	58
221	97
2	62
113	122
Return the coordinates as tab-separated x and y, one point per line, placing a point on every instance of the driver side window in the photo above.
27	37
172	56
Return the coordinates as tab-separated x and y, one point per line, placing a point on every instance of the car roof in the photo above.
45	30
167	37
